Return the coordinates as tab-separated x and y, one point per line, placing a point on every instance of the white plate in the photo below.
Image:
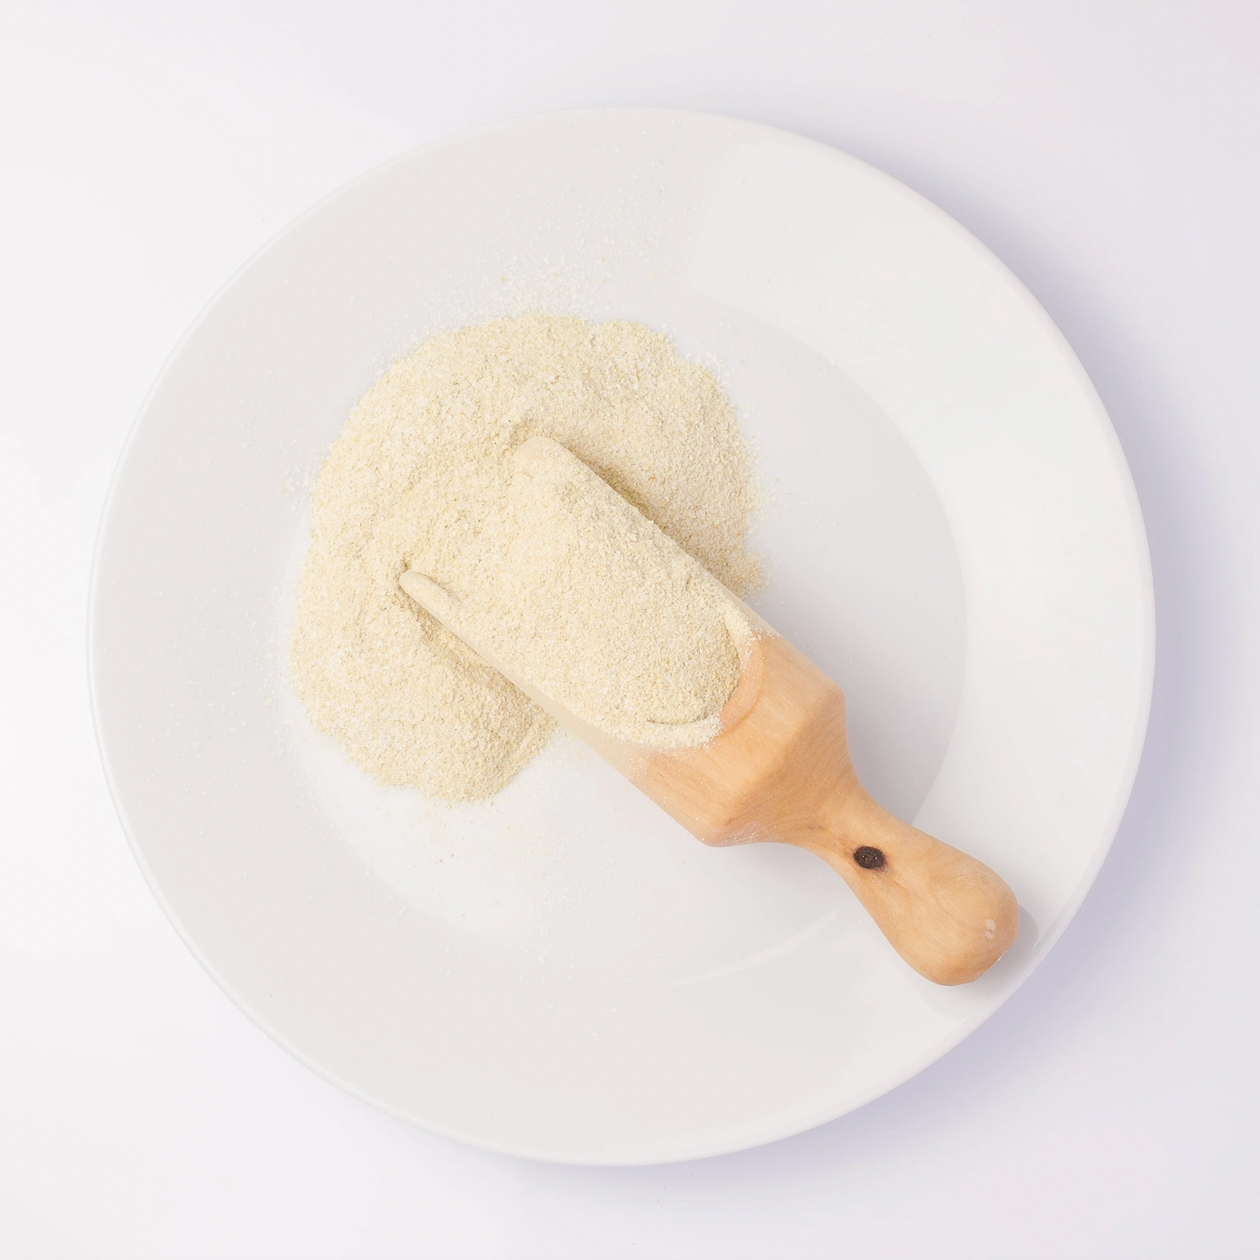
562	972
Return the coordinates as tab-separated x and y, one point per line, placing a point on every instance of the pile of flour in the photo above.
422	477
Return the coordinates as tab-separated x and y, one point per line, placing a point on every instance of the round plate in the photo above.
950	530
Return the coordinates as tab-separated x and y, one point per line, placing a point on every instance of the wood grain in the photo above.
780	770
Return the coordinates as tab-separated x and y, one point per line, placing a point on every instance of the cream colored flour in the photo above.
583	600
424	476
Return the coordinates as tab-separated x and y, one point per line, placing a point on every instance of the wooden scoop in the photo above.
779	769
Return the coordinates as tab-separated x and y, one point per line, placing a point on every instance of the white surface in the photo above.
561	972
1109	1108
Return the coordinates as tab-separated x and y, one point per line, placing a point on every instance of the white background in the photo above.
1107	152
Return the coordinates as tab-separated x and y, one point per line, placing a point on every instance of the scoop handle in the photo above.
946	913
